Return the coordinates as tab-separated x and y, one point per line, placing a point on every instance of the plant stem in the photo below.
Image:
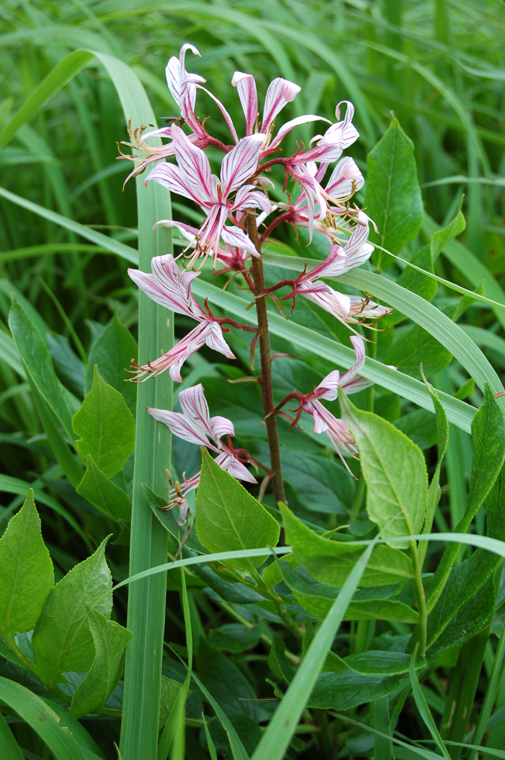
421	599
266	362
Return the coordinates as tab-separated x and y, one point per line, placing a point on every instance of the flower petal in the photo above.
194	166
237	238
289	125
231	464
280	92
174	180
167	285
240	163
196	410
345	179
247	197
215	340
180	426
359	350
221	426
246	87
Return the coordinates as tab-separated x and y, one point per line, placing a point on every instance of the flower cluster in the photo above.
238	218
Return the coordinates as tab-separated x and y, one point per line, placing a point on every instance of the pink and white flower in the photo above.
193	179
170	287
195	425
324	421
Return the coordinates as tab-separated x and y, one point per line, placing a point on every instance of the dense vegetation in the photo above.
365	672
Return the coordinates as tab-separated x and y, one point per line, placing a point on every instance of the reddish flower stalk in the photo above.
266	363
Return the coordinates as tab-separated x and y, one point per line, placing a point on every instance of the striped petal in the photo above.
246	88
247	197
167	285
240	163
289	125
221	426
237	238
359	350
345	179
194	166
214	339
181	426
174	180
231	464
280	92
195	408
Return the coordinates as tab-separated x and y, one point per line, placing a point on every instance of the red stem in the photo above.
266	362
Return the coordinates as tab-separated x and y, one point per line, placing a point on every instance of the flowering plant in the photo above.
233	234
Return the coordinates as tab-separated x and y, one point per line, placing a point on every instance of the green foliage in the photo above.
331	561
105	495
228	517
26	570
112	353
393	196
105	426
62	640
394	470
110	640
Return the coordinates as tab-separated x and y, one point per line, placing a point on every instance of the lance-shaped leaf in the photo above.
106	427
26	571
228	517
393	196
39	365
62	640
110	640
394	469
331	561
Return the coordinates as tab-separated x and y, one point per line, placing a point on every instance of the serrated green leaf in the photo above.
62	640
382	662
394	469
278	662
106	427
320	484
393	196
103	493
110	640
331	561
228	517
170	691
26	571
112	353
39	365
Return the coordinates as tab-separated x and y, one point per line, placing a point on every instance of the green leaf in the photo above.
225	681
112	353
281	728
416	281
110	640
62	640
228	517
26	571
394	469
420	426
170	691
320	484
331	561
393	196
106	427
103	493
382	662
434	491
414	347
58	78
347	689
488	444
233	637
441	237
39	365
61	740
278	662
318	598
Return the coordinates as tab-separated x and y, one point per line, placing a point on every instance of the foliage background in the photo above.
437	65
